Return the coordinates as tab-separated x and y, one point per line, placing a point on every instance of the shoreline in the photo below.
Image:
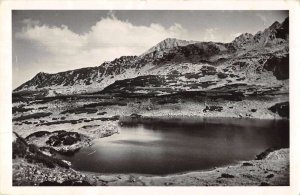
97	129
204	117
221	172
273	169
163	175
205	177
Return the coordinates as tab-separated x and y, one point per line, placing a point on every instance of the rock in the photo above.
265	153
282	109
101	113
168	183
253	110
221	75
225	175
247	164
264	184
213	108
132	179
135	115
270	176
279	66
69	141
116	117
38	134
63	138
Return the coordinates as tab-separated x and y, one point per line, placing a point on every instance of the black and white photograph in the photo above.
150	98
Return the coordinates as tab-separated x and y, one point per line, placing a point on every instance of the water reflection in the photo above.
162	147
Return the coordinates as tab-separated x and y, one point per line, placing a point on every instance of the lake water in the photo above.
164	147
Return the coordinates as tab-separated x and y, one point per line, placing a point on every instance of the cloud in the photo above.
262	17
29	22
55	40
218	35
108	39
211	34
235	35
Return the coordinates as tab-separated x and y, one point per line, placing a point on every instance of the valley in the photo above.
63	113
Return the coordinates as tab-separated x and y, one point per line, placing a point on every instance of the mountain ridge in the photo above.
168	43
168	51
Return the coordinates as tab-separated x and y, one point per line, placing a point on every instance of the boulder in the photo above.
213	108
63	138
282	109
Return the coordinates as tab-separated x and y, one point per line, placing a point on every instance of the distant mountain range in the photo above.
178	65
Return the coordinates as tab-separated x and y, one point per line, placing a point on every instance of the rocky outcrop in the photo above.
213	108
275	34
283	31
63	138
167	44
279	66
243	40
282	109
33	154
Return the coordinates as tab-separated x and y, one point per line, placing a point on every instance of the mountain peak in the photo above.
261	38
169	43
41	73
170	40
243	40
244	36
275	25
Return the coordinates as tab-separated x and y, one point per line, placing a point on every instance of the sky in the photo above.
58	40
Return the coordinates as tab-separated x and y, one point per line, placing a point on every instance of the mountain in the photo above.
275	34
79	77
180	65
168	44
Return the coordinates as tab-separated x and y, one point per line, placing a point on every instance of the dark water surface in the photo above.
164	147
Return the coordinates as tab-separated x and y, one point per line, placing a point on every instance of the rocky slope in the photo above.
261	59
